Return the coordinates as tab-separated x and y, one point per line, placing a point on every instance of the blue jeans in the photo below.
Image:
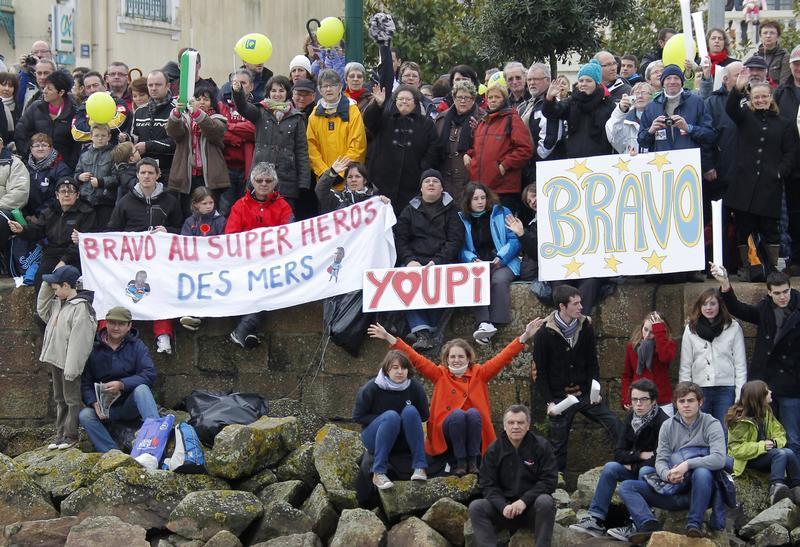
789	416
381	434
613	472
139	404
717	400
462	430
782	465
639	497
423	319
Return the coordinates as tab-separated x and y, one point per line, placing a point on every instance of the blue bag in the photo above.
188	454
151	440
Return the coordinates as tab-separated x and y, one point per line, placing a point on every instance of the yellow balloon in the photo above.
101	107
254	48
330	31
498	78
675	51
481	89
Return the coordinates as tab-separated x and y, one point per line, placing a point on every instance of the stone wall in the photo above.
290	363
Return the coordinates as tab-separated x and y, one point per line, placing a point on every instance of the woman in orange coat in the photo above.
460	411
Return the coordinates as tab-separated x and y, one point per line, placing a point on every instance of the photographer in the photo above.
30	83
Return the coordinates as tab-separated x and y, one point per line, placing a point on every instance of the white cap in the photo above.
301	61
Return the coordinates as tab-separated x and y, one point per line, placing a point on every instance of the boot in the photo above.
744	267
773	252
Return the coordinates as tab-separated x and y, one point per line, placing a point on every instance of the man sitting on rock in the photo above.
122	363
518	475
691	447
634	457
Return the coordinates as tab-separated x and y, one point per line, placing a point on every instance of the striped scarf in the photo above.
568	330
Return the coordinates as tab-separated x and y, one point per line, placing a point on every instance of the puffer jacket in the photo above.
43	186
743	443
36	119
505	241
69	337
212	133
139	213
438	237
249	213
14	182
212	224
54	228
282	143
99	163
721	362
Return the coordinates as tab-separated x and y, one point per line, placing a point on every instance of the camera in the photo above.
668	122
31	60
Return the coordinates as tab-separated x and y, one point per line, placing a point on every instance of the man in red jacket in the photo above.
239	140
261	207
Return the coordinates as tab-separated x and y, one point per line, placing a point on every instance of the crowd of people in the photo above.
459	170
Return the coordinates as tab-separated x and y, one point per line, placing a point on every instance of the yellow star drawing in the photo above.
580	169
573	267
622	165
612	263
659	161
654	261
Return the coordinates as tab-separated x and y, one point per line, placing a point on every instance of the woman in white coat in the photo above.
713	354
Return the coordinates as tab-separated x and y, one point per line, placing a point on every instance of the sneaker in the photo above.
777	492
251	341
589	525
694	532
419	475
191	323
460	471
67	443
641	535
163	344
622	533
423	340
482	341
381	481
54	444
235	339
485	331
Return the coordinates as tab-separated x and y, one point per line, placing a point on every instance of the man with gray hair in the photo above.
514	73
616	86
546	133
239	140
518	475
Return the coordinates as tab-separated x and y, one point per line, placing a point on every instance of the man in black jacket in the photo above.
634	457
518	474
428	231
776	357
565	359
149	129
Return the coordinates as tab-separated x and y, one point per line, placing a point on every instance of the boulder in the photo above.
320	510
414	497
200	515
587	484
257	482
310	421
21	498
299	465
503	536
359	527
223	538
336	451
795	534
447	517
752	493
291	492
140	496
774	534
566	516
38	532
175	540
785	513
241	450
59	472
106	530
564	537
522	538
308	539
15	441
108	462
279	519
671	539
562	498
414	532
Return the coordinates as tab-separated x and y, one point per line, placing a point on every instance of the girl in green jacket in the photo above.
757	440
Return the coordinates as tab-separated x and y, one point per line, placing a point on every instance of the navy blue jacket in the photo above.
692	109
721	154
43	186
130	363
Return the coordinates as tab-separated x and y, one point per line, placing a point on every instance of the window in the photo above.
155	10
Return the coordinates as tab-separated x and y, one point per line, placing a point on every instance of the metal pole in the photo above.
354	30
716	13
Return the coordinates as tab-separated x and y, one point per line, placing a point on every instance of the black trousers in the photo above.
540	517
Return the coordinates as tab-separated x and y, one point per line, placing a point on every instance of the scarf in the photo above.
716	59
451	118
707	330
644	355
568	330
43	163
588	106
458	371
11	103
780	316
276	107
329	107
385	383
55	111
197	153
638	422
355	95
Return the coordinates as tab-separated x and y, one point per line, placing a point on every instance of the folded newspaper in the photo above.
104	398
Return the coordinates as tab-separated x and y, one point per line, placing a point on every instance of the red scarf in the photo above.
355	95
716	59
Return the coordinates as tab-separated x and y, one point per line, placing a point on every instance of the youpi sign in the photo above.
620	215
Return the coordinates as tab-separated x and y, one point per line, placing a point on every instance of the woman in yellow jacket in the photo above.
757	440
335	127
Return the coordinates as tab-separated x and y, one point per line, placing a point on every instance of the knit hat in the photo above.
672	70
591	69
301	61
430	173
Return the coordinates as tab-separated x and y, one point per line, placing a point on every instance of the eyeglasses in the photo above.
642	94
463	99
40	145
606	65
328	86
66	192
263	181
513	78
543	78
404	99
637	400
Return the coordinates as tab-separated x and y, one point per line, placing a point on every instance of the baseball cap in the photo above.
63	274
795	56
68	181
756	61
304	85
119	313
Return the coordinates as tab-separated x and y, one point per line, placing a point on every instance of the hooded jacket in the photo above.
42	192
99	163
331	135
69	334
721	362
743	443
137	213
249	213
150	127
424	238
282	143
501	138
14	182
212	133
36	119
54	227
130	364
505	241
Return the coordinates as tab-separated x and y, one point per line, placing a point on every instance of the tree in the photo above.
543	30
432	33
